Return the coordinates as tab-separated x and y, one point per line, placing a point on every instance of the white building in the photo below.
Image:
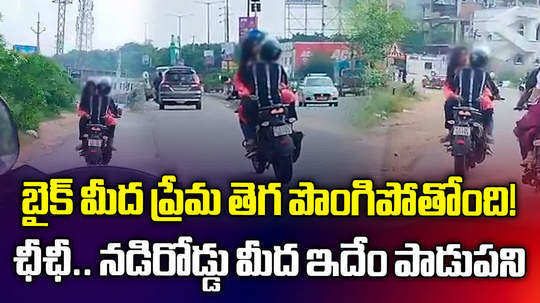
512	34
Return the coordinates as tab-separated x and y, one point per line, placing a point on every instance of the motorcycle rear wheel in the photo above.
283	169
93	159
258	164
460	165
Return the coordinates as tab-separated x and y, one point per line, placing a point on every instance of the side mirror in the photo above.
9	140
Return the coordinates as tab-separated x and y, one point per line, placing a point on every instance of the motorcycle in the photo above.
468	144
435	82
96	151
278	144
97	147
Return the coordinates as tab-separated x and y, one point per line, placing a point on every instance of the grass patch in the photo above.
380	106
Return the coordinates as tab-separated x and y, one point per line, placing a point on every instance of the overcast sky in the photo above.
121	21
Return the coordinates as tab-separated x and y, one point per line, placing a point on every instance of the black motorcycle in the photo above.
277	142
468	144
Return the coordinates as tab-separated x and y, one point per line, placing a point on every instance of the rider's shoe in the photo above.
446	139
529	160
79	147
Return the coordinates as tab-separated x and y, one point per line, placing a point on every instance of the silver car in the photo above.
180	86
318	89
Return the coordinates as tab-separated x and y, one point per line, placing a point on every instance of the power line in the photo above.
61	25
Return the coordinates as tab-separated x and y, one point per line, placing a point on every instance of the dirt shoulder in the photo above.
51	133
408	135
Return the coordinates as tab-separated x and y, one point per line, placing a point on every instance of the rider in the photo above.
531	81
475	88
459	58
99	108
260	81
527	127
88	93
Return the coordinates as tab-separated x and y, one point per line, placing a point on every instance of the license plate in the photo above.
462	131
94	143
282	130
321	98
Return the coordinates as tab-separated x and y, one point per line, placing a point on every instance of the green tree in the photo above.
375	28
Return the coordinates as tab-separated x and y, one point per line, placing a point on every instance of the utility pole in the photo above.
146	41
85	25
227	24
61	25
38	32
208	4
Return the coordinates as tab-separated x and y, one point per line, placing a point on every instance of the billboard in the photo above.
227	51
337	51
209	57
25	49
246	24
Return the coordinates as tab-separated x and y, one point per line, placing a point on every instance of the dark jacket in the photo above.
98	107
470	83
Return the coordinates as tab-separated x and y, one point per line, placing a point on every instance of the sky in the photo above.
121	21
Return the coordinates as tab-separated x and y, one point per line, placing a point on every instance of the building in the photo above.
511	34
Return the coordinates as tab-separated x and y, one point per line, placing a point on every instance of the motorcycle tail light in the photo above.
96	129
277	111
460	142
464	113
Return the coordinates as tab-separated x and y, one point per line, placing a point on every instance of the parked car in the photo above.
180	86
318	89
351	82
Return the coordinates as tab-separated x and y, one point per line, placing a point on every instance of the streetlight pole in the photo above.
208	3
180	17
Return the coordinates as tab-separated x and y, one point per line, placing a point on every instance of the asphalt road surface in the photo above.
206	145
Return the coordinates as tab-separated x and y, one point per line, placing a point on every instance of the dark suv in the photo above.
180	86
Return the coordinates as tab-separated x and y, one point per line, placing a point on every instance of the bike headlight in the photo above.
265	124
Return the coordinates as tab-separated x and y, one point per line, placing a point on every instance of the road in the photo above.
206	145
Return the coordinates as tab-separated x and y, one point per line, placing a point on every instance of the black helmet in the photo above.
249	46
104	87
270	50
479	58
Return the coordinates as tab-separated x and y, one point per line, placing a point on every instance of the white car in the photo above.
318	89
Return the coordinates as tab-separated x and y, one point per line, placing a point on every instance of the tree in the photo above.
375	28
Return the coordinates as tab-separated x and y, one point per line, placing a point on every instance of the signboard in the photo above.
209	57
25	49
337	51
256	6
247	24
227	51
303	2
